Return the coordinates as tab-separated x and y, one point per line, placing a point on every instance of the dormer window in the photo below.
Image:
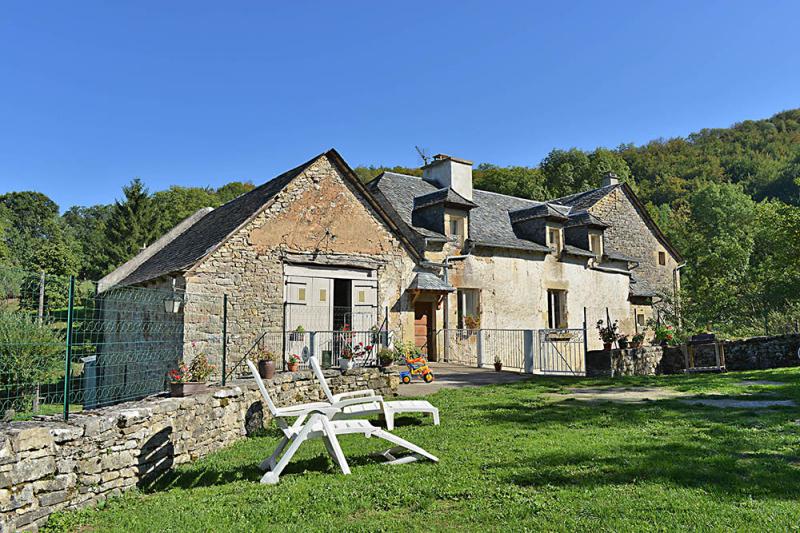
596	245
456	228
554	238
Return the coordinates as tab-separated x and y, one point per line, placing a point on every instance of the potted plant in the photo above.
346	358
385	358
663	335
608	334
622	340
637	340
265	361
498	363
297	334
186	380
293	363
472	322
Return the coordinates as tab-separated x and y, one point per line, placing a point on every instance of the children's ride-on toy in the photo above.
417	366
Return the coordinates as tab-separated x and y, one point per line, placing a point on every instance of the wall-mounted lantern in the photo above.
173	302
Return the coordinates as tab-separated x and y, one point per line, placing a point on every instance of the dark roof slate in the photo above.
427	281
489	222
586	199
199	239
445	196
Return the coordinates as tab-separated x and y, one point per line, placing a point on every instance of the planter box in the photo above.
179	390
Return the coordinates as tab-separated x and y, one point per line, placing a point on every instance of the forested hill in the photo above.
761	155
728	198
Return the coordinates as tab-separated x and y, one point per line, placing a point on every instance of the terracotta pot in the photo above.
293	367
266	369
385	364
607	346
179	390
498	367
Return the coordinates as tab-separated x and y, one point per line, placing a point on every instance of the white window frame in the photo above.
557	317
558	245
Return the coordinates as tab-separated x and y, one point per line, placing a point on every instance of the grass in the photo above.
513	457
48	409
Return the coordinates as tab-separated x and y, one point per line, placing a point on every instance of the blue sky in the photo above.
93	94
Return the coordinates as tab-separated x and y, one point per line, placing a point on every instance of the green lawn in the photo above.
512	457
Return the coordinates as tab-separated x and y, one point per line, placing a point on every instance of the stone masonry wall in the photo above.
630	235
317	213
645	361
49	465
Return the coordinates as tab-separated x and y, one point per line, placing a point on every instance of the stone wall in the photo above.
49	465
756	353
645	361
762	352
630	235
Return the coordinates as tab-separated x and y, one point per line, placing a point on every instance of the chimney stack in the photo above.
446	171
610	179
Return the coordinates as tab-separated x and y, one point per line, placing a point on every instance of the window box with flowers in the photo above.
192	379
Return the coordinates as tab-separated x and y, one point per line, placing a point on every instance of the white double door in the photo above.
310	298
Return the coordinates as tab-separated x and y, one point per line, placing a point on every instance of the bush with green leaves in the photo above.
31	353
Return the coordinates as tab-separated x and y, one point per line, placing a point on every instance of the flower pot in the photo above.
345	364
179	390
623	344
636	344
498	367
293	367
266	369
607	346
385	364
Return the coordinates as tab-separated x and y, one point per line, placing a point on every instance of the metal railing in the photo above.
561	352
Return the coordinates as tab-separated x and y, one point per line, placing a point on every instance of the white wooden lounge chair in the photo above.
313	421
364	403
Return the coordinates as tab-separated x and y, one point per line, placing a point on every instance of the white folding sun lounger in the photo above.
363	403
313	421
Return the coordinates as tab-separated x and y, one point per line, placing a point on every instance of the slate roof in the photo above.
446	196
199	239
641	287
586	199
426	281
584	218
542	210
489	221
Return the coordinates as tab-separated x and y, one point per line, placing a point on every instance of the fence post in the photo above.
480	348
68	351
224	338
585	336
528	346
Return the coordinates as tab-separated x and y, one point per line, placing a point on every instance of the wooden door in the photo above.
425	329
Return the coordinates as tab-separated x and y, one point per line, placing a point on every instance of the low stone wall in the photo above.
762	352
645	361
756	353
49	465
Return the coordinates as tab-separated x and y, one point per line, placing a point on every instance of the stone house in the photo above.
315	247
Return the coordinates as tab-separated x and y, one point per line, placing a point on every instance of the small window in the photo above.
323	295
662	258
556	309
640	319
455	228
554	238
596	245
469	308
301	294
362	297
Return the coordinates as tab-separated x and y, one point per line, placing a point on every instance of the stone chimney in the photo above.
445	171
610	179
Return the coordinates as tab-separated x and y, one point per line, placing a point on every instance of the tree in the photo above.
36	237
88	227
566	171
177	203
131	224
228	192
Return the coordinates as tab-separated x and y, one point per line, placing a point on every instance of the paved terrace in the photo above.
455	377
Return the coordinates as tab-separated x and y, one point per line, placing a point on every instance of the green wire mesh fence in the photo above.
66	346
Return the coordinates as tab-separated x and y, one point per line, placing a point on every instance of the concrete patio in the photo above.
449	376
